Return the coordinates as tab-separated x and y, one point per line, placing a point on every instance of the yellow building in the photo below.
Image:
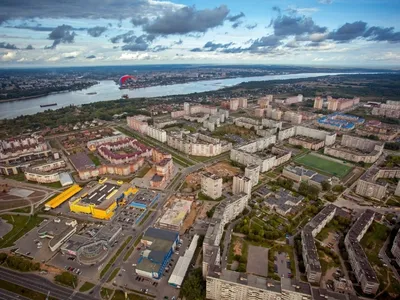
102	200
64	196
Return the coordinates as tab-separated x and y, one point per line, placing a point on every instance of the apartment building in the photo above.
263	102
363	271
329	138
356	149
241	184
157	134
309	232
391	109
318	103
259	112
341	103
211	185
247	123
252	172
396	248
273	113
292	117
138	123
369	184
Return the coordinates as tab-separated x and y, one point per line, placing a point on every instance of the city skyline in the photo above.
309	32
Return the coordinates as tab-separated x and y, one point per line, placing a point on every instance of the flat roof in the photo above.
75	242
152	234
81	161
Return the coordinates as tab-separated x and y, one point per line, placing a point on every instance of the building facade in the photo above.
211	185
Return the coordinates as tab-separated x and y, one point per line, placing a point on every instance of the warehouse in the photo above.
100	201
160	245
182	264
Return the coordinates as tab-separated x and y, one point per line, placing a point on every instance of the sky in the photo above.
361	33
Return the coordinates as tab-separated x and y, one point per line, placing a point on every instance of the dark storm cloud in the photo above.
235	50
250	27
29	47
379	34
348	32
235	18
295	25
8	46
70	57
210	46
138	21
236	24
135	47
196	50
96	31
93	9
125	37
187	20
160	48
180	42
91	57
61	34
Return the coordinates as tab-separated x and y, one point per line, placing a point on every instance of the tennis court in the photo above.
326	166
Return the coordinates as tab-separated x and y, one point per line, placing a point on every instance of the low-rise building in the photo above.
173	217
211	185
300	174
58	230
363	270
159	246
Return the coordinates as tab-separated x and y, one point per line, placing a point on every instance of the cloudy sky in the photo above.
112	32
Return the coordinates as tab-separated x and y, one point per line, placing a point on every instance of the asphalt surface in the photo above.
41	285
6	295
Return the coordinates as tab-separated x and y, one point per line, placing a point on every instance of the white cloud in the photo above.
302	10
137	56
8	56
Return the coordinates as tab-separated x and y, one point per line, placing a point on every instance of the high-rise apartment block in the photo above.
318	103
211	185
241	184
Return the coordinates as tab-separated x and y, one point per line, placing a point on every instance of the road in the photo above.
41	285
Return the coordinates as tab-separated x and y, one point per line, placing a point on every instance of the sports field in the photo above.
324	165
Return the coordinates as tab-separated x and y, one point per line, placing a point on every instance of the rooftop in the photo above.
81	161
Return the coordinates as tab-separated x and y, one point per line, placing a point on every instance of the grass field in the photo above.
324	165
21	225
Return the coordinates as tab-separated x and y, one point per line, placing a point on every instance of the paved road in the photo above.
6	295
41	285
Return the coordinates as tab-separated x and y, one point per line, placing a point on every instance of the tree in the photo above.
326	186
338	188
194	286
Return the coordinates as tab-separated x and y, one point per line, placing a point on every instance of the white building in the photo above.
252	172
211	185
241	184
157	134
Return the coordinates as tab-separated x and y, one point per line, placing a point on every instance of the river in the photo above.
108	90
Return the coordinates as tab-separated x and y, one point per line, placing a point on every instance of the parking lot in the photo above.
128	277
282	265
257	261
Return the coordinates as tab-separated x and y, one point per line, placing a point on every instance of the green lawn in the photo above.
113	274
18	177
21	225
372	242
86	286
114	258
20	290
120	295
94	159
106	293
324	165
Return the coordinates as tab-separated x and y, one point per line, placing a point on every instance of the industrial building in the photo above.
101	200
363	270
160	245
356	149
173	217
64	196
58	230
182	265
211	185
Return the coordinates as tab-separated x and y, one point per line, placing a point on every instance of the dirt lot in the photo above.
237	248
17	197
190	218
207	205
221	169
